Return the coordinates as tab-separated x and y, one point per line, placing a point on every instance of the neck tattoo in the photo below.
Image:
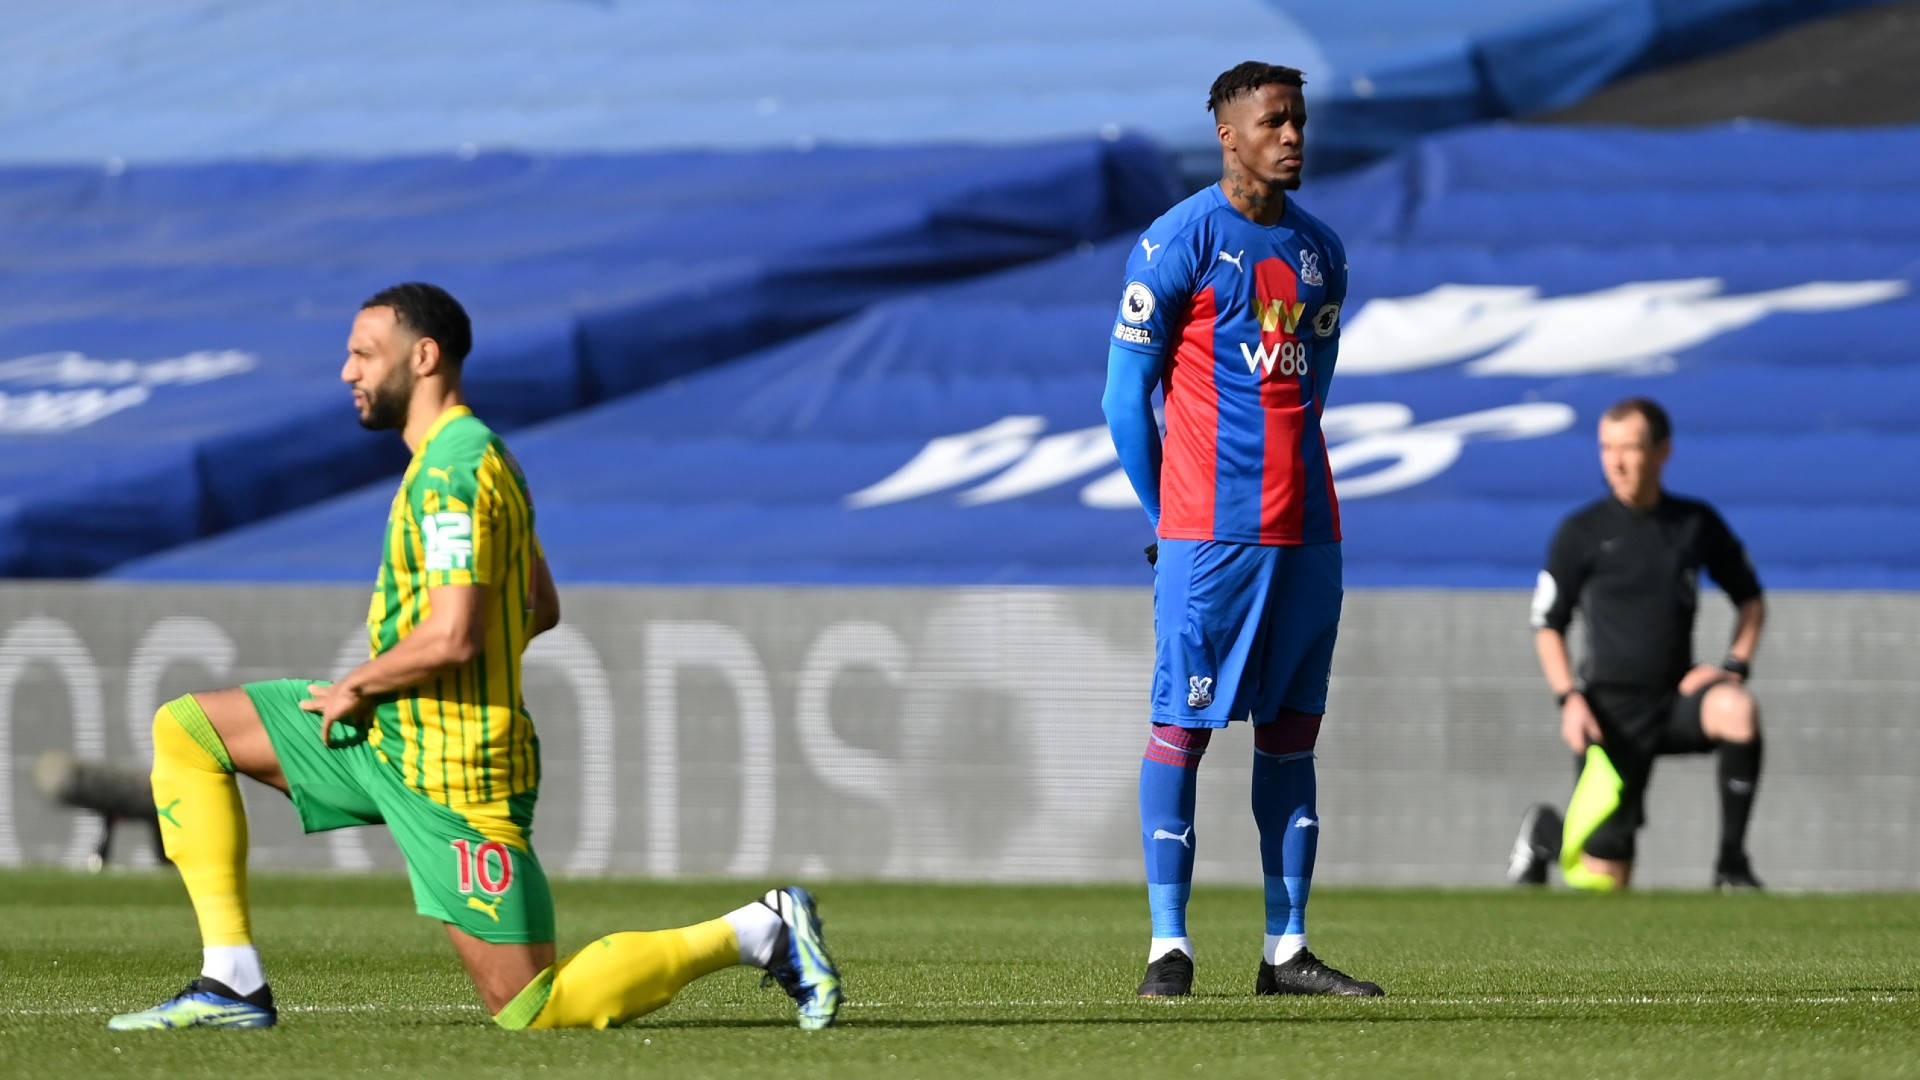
1256	200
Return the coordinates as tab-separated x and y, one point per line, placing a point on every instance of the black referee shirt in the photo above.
1636	575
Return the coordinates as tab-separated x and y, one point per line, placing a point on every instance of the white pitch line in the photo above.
1042	1003
1689	999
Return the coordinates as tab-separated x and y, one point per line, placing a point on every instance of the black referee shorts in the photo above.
1638	727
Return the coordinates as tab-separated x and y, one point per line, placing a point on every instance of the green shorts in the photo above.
473	867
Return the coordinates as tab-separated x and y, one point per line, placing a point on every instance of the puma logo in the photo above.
167	812
1149	246
492	910
1185	838
1234	259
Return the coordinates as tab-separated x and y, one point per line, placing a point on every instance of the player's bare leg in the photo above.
499	971
200	743
237	722
1731	718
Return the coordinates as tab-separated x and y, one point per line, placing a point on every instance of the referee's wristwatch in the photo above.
1561	699
1733	665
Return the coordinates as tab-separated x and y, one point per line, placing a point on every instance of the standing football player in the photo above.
1232	305
432	738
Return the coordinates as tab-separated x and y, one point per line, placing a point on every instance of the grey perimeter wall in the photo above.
989	734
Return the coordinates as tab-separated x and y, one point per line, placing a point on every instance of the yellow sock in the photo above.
622	976
203	824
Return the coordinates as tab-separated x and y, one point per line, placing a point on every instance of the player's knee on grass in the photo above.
1291	732
1730	714
500	972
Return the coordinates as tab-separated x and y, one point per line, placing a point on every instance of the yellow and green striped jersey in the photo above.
462	516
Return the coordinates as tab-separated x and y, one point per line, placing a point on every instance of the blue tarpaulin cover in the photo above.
1507	286
171	336
210	79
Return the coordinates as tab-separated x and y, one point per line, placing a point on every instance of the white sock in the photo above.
758	927
1281	947
1161	946
236	965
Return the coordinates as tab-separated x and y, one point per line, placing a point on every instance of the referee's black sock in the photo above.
1739	778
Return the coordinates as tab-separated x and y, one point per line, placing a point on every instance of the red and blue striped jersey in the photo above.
1245	320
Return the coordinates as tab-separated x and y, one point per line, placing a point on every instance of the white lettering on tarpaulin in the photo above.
1378	432
955	459
70	390
1049	462
1633	328
1374	448
44	411
73	369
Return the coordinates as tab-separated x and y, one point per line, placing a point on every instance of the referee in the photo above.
1631	562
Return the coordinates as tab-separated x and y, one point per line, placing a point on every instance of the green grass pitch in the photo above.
956	981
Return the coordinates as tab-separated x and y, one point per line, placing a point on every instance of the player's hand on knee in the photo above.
1577	724
333	702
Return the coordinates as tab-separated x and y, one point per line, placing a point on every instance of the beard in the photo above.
387	403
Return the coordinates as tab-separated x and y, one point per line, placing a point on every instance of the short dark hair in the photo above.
431	312
1659	426
1248	76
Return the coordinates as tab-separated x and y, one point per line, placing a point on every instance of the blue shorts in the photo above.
1242	631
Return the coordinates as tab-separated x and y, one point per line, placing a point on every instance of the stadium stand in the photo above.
566	76
1510	283
1855	68
171	336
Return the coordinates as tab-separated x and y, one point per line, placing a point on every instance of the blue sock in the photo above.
1283	796
1169	778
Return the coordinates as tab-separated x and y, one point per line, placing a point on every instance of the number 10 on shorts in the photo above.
489	864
